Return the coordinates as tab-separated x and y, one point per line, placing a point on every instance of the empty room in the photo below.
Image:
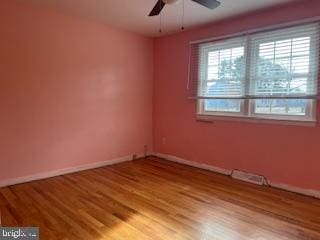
159	119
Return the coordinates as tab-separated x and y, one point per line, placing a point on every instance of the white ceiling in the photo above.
132	15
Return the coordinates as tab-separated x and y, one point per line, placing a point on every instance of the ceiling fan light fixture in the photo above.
170	1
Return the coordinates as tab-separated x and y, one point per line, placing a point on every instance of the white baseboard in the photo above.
49	174
303	191
193	164
307	192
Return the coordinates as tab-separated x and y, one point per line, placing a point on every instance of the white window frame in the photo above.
203	75
247	106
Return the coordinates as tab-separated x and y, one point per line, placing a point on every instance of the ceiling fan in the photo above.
211	4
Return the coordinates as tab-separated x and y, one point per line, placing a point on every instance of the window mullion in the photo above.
247	86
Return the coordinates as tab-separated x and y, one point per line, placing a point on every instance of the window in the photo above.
270	75
223	76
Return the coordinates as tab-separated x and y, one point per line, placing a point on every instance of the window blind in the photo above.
274	64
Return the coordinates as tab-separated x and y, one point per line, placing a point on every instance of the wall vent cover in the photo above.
249	177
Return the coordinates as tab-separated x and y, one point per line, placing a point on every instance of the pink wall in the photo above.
285	154
72	92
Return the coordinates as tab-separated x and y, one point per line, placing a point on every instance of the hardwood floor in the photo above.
156	199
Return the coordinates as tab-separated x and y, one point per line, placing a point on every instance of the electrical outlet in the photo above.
164	140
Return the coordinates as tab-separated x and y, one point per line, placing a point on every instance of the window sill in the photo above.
212	118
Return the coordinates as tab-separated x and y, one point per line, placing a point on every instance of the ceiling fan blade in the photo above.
157	8
212	4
